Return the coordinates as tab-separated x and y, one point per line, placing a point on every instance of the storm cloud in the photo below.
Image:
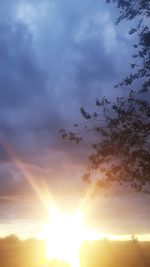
55	56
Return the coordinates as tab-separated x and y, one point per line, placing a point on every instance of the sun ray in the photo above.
64	233
39	186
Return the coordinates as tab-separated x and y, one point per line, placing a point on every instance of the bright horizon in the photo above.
39	230
110	237
65	234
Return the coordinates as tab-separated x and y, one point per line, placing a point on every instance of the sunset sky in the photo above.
56	56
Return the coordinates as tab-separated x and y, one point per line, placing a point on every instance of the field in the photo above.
116	254
93	254
21	254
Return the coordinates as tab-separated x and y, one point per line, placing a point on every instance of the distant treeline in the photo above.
12	238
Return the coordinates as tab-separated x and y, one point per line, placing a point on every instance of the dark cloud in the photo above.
19	74
4	156
55	56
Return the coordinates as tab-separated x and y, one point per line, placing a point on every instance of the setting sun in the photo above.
65	235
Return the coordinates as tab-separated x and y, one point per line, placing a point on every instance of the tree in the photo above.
138	10
12	238
121	129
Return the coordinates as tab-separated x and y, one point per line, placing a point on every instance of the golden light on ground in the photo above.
65	234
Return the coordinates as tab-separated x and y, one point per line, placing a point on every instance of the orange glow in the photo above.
65	234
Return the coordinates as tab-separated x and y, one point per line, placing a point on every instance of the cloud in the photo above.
56	56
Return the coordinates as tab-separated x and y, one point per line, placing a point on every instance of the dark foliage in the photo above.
122	152
138	10
121	130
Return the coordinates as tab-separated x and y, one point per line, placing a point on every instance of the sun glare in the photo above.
65	234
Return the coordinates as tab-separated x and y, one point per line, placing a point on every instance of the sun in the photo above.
65	234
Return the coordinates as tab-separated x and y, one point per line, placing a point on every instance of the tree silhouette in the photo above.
121	129
139	11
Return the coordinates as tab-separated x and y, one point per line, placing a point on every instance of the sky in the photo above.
56	56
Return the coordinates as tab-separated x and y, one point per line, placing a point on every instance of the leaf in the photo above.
85	114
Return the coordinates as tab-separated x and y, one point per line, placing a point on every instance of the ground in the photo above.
94	254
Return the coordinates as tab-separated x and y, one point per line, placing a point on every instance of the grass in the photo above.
31	253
